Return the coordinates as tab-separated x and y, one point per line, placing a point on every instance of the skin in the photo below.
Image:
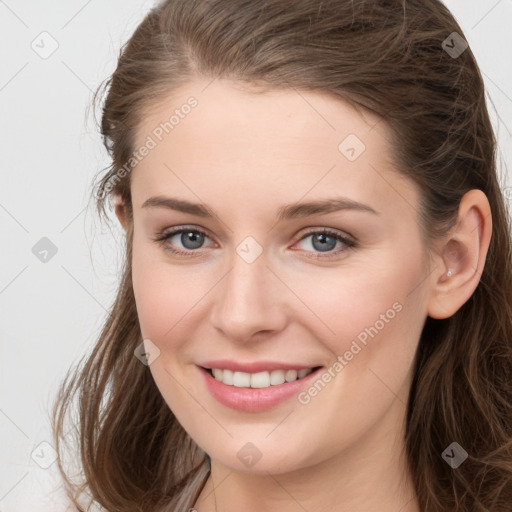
245	155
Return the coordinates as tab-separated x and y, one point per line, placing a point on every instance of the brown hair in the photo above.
385	56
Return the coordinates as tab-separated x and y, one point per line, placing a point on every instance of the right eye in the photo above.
190	238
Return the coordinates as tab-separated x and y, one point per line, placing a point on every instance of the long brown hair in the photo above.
386	56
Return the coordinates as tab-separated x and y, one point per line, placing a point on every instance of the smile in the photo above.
259	380
257	390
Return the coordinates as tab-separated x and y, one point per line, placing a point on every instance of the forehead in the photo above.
252	117
217	136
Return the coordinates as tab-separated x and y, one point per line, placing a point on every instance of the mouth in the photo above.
259	380
258	391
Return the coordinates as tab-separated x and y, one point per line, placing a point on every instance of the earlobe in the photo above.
460	261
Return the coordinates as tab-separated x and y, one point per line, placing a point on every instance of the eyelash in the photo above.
164	235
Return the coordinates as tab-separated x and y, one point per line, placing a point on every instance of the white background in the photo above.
52	312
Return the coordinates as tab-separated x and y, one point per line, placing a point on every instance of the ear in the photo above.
460	258
120	210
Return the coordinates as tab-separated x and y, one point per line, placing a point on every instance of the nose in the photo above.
250	301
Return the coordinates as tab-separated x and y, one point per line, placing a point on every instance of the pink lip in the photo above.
254	367
254	399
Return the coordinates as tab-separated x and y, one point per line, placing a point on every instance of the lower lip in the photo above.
255	399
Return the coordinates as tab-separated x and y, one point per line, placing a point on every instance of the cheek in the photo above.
167	301
343	303
158	304
154	297
168	298
370	318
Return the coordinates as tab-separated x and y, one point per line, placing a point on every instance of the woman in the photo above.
315	311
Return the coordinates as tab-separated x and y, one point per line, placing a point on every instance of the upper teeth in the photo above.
260	379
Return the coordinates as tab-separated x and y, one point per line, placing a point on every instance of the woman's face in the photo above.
257	289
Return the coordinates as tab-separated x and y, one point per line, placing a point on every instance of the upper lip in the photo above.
253	367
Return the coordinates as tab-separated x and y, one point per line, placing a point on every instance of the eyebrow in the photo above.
287	212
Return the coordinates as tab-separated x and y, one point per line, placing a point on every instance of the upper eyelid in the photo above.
180	229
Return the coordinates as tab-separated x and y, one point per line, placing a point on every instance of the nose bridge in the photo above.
248	301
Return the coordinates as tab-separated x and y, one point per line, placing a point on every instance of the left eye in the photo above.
323	241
